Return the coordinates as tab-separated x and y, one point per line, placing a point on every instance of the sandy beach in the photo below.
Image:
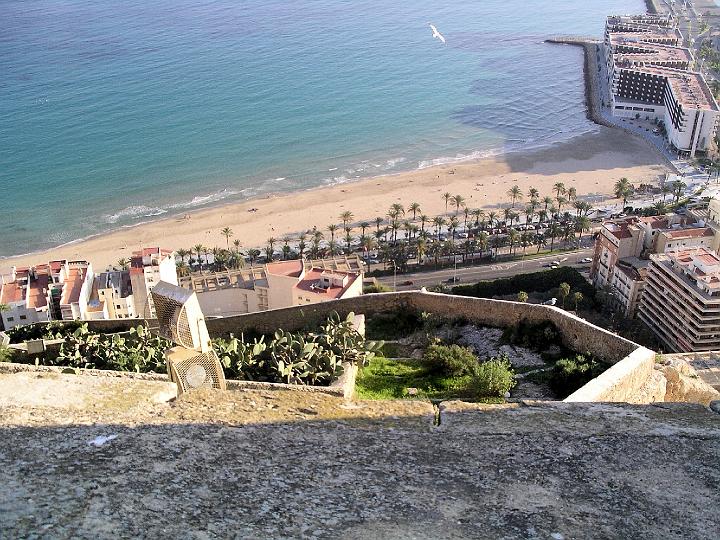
591	163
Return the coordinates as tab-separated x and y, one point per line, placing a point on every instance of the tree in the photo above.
253	254
331	229
227	233
447	198
623	189
378	222
423	220
547	200
458	201
513	237
678	188
660	208
533	194
236	243
270	249
522	296
123	263
346	217
564	291
582	224
577	298
199	249
414	208
364	225
182	253
515	194
559	188
438	221
572	194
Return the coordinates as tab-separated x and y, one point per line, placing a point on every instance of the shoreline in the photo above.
586	161
168	215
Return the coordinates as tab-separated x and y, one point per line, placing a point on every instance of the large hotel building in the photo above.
650	77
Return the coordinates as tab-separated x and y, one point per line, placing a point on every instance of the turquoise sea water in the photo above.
112	113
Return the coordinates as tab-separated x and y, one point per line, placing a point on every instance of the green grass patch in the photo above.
385	378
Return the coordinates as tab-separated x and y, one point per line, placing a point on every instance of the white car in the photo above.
587	260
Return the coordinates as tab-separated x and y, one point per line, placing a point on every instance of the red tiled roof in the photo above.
146	252
331	293
37	292
10	292
690	233
72	285
285	268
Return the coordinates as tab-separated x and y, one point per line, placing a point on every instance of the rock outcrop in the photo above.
684	385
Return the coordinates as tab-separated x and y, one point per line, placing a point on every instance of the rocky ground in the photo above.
285	464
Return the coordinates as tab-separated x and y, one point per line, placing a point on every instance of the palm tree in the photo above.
482	241
533	194
466	212
577	298
678	188
623	189
515	193
547	200
331	229
563	292
458	201
398	209
452	227
181	268
422	247
554	230
253	254
227	233
477	214
378	222
559	188
348	238
302	245
182	253
236	243
199	249
560	200
660	208
438	221
346	217
572	194
364	225
270	249
447	198
513	237
423	219
414	208
582	224
123	263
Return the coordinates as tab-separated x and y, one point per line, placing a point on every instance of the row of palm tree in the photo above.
403	233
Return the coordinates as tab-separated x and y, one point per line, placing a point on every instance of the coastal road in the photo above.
472	274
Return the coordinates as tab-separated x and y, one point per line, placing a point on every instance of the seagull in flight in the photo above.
436	34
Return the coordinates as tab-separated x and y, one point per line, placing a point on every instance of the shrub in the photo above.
532	282
297	358
452	360
536	336
493	378
393	325
569	374
6	354
376	288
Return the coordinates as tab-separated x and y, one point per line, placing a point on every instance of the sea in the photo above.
116	113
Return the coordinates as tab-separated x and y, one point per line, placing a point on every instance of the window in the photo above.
11	319
118	306
23	317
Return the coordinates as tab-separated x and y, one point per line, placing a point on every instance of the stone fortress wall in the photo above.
632	364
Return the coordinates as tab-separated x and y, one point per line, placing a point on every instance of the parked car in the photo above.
407	282
587	260
452	280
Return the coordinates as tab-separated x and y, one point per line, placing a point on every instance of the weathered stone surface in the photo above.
684	384
282	464
27	390
652	391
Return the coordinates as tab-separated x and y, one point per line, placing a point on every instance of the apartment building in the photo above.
681	300
276	285
44	292
147	267
627	284
111	297
623	244
650	77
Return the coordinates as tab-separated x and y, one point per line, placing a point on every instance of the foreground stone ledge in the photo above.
269	464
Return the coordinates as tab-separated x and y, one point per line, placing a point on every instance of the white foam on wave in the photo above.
132	212
201	200
459	158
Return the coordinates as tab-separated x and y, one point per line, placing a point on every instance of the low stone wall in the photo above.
577	334
621	382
